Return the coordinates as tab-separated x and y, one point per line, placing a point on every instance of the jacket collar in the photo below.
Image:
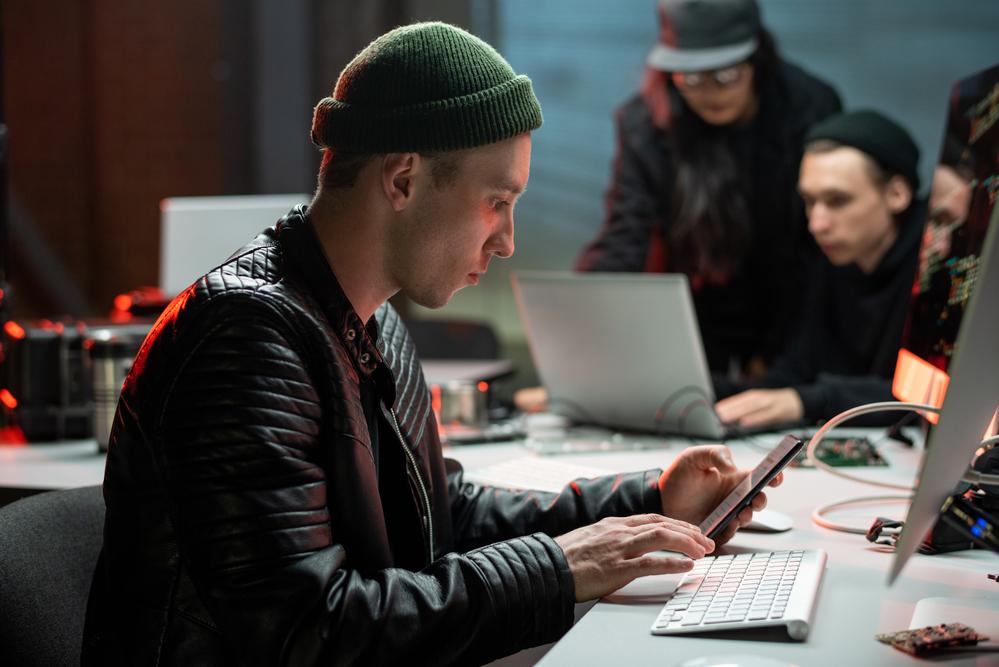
305	259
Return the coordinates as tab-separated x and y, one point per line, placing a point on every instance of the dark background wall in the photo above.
114	105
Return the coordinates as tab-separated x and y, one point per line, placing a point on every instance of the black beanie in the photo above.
883	139
425	87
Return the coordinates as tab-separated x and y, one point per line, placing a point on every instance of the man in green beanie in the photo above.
859	181
276	492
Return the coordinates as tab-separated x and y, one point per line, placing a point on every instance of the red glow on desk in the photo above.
12	435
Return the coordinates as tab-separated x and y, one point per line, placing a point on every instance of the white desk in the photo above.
45	466
854	602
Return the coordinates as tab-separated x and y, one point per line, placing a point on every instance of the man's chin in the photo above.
432	300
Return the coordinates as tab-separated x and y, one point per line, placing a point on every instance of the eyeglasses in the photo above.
723	78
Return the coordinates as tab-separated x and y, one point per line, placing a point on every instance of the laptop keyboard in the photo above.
744	591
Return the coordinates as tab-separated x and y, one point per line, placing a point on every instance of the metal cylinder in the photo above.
464	403
111	353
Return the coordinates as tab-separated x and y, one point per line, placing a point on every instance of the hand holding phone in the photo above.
750	486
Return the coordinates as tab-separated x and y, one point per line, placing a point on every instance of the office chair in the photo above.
453	339
48	549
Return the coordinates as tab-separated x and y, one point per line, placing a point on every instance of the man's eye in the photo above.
499	204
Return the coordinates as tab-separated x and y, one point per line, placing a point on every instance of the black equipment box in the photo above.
44	380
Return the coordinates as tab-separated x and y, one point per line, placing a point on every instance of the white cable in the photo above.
818	515
885	406
819	519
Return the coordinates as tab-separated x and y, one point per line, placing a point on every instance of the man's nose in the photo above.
502	242
819	220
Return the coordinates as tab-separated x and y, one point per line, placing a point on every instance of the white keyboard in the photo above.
751	590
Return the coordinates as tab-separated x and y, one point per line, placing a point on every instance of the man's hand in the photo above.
606	555
759	407
700	478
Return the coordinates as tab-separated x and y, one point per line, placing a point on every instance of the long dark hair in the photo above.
710	230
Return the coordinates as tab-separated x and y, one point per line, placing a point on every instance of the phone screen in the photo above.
751	485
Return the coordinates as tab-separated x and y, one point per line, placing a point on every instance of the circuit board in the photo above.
843	453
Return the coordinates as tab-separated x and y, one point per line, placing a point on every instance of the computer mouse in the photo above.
769	521
734	660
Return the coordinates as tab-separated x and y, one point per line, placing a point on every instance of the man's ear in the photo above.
397	173
898	194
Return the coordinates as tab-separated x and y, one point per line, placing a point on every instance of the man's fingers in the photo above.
778	480
721	457
654	519
655	564
758	503
733	408
763	415
665	539
645	538
728	533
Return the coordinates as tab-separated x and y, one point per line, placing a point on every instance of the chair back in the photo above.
49	544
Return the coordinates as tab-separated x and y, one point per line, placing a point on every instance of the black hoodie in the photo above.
844	348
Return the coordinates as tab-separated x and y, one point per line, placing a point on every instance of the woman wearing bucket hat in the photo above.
705	171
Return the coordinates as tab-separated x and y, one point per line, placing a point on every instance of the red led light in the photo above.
8	399
483	386
122	302
14	330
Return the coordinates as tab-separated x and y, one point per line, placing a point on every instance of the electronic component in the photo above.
932	638
964	514
843	453
884	531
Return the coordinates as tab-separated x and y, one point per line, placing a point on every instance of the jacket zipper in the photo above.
428	522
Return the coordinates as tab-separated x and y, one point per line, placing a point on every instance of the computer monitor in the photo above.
954	318
962	199
199	233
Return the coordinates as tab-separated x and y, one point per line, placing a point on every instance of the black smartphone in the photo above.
753	483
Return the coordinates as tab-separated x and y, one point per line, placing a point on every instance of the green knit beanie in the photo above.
425	87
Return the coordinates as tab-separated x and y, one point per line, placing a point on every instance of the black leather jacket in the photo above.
249	523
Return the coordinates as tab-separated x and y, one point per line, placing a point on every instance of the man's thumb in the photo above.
720	457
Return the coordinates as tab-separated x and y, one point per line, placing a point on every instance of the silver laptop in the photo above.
621	350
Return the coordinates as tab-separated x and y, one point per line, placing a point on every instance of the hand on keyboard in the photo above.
700	478
606	555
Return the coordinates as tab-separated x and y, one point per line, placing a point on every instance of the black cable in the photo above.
662	413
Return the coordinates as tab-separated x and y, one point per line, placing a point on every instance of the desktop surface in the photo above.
854	602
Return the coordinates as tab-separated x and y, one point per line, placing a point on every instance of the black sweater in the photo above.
748	315
845	345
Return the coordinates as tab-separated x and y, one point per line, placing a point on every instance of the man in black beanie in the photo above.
276	492
859	181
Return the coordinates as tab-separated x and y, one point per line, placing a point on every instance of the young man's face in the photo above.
849	214
451	232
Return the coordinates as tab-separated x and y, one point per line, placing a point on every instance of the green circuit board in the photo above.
843	453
